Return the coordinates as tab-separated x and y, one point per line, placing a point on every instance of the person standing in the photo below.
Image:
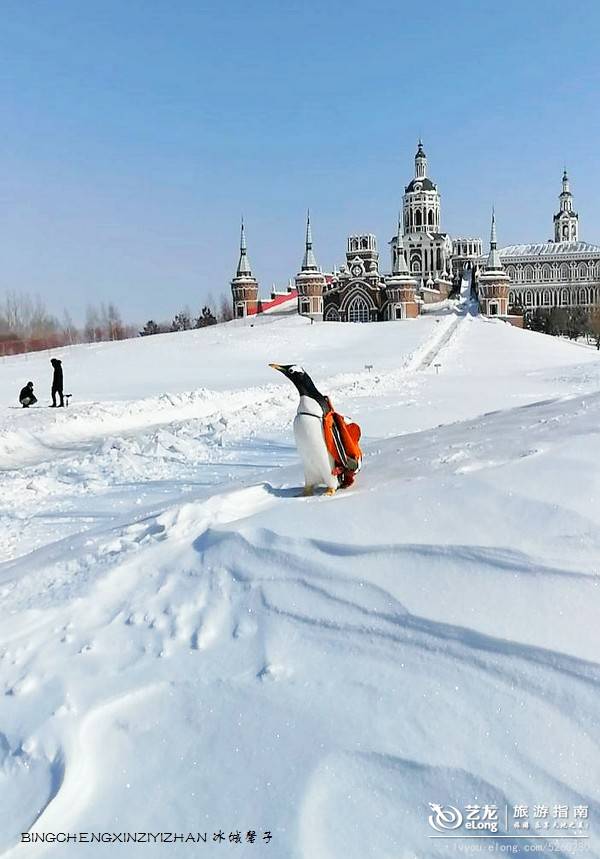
27	397
57	383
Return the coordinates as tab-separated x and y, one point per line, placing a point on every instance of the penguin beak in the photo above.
278	367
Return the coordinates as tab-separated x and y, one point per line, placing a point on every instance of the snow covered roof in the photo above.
549	249
280	303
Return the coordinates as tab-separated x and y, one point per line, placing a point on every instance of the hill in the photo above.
188	646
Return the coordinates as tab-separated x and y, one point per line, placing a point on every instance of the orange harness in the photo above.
342	440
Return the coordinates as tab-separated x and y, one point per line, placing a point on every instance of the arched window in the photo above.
304	305
583	297
438	262
358	310
418	218
430	217
546	298
564	297
564	271
416	264
546	272
528	273
583	271
529	298
332	315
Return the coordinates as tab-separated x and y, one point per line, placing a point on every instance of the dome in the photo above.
424	184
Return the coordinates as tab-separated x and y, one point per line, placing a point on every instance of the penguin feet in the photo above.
308	490
330	490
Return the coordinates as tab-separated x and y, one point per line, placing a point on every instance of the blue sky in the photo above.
133	135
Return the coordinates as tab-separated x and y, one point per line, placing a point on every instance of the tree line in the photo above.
571	322
27	326
185	320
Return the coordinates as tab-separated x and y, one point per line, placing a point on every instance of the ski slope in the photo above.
188	646
465	285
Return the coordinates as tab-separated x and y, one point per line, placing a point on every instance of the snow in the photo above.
188	646
465	285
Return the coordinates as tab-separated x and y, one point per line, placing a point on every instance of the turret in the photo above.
244	286
494	282
310	281
401	287
421	201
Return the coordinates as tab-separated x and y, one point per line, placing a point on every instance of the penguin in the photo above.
317	462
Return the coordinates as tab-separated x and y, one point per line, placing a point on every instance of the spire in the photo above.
566	198
309	262
566	222
400	266
243	269
420	162
493	262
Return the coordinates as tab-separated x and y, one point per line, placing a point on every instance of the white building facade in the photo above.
561	273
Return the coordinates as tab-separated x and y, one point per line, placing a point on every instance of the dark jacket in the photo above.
27	394
57	380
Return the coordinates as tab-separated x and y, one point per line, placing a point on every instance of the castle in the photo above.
427	265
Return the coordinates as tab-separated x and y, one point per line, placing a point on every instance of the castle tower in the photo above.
401	287
421	201
310	281
493	284
566	221
244	287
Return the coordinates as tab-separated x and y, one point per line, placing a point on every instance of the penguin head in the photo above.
304	384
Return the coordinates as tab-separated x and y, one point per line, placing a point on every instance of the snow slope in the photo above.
187	645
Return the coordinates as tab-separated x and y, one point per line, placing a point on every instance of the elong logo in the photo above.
444	817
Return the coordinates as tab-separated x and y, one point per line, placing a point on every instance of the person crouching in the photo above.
27	397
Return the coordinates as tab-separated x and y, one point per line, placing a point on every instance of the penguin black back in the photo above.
303	383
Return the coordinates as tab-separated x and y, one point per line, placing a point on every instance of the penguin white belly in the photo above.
310	441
